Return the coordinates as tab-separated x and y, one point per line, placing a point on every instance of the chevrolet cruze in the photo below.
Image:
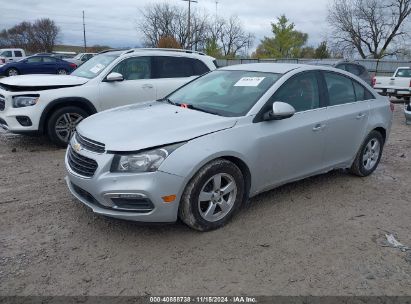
202	151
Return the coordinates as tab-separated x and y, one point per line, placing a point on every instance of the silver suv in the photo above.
233	133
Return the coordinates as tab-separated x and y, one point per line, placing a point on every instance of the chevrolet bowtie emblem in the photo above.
77	147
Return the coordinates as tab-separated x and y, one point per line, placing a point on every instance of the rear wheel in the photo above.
12	72
369	155
212	196
61	72
62	124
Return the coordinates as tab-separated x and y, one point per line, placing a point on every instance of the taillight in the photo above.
374	81
73	65
392	107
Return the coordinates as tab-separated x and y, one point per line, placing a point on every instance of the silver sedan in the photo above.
229	135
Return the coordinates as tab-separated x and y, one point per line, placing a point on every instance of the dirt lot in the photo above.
320	236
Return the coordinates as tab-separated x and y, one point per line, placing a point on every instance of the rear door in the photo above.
137	85
170	73
50	65
347	113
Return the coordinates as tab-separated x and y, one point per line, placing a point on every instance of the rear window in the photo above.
177	67
18	54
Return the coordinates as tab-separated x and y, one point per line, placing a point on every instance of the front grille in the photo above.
2	103
90	145
80	164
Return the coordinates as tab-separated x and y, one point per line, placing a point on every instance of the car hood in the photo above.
32	81
152	124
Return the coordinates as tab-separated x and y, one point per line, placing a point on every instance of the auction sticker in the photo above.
249	81
97	68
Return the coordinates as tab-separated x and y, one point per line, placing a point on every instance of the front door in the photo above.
137	85
292	148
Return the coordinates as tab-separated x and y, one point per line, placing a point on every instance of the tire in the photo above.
369	155
61	72
62	123
12	72
221	207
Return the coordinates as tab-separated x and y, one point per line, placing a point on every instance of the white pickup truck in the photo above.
399	85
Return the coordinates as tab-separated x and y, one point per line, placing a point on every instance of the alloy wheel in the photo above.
217	197
371	154
66	125
13	72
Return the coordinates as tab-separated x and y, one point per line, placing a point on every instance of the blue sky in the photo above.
114	22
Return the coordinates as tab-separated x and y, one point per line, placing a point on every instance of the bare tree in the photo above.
233	38
371	27
45	34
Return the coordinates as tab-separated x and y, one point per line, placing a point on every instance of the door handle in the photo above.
318	127
147	86
360	116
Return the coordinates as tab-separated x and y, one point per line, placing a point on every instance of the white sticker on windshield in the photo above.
97	68
249	81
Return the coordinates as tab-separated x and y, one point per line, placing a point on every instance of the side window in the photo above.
340	89
49	60
18	54
353	69
34	60
7	54
341	67
301	92
134	68
172	67
199	67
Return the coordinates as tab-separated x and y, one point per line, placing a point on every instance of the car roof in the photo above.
279	68
157	51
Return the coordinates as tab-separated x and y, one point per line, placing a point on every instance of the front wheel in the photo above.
62	124
369	155
212	196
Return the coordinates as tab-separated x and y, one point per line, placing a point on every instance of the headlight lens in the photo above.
25	101
146	161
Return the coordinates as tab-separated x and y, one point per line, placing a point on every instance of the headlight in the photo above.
25	101
145	161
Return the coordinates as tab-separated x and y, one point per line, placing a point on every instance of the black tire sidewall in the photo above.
51	122
371	136
216	167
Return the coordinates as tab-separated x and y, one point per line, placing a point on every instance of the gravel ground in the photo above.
320	236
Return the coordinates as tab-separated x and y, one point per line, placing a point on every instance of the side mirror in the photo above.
281	110
114	77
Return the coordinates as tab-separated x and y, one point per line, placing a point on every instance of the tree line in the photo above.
38	36
364	28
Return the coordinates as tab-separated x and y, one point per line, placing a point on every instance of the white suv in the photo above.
10	55
55	104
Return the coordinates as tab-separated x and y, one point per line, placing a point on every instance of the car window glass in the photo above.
173	67
341	67
359	91
301	92
6	54
49	59
403	73
34	59
93	67
199	67
18	54
353	69
340	89
134	68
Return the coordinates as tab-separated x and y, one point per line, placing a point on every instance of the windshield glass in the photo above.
404	73
94	66
225	93
78	56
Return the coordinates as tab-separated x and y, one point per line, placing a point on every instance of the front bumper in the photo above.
97	192
9	116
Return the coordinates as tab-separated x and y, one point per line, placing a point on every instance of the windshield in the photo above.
78	56
94	66
225	93
404	73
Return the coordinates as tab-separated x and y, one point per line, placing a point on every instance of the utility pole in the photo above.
189	21
84	35
216	17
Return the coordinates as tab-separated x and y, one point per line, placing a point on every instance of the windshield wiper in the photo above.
190	106
169	101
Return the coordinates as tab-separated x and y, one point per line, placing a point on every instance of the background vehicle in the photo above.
349	66
224	137
53	105
37	65
399	85
9	55
80	58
